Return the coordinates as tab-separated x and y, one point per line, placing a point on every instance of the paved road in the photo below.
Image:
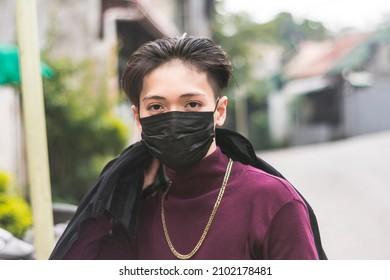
347	183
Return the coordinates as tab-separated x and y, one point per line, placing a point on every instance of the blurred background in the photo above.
311	90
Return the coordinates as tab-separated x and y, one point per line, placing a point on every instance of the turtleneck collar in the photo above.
205	177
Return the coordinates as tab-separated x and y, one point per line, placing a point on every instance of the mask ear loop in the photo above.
216	105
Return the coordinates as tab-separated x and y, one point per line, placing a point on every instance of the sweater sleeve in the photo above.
87	245
101	239
289	236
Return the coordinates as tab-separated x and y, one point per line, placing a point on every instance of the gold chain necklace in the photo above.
206	229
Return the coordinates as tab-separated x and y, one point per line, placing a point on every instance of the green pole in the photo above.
35	127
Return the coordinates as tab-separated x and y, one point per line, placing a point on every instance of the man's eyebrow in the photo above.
183	96
191	94
158	97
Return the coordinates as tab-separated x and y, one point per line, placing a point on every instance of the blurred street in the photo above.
347	182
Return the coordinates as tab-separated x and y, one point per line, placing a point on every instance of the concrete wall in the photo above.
69	26
367	110
7	22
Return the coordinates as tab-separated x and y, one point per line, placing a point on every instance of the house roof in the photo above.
320	58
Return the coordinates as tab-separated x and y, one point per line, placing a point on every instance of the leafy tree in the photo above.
239	37
83	132
284	30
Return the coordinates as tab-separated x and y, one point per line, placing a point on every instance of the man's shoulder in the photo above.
259	182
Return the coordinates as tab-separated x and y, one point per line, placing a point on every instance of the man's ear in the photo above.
221	111
136	117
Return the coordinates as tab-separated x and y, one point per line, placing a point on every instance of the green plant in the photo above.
5	181
15	212
83	131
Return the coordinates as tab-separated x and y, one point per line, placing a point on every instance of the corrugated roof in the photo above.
319	58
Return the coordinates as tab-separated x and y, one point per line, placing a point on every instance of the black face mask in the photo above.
179	139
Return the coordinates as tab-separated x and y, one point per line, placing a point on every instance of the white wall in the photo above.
12	154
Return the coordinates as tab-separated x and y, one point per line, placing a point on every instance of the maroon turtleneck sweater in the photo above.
260	217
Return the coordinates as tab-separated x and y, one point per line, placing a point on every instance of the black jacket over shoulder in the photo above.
118	188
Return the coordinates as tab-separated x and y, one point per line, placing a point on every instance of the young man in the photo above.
188	190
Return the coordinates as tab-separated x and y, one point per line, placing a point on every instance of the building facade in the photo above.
334	89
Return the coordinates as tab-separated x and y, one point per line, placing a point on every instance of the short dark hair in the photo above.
202	53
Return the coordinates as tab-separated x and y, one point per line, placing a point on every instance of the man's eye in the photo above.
193	105
155	107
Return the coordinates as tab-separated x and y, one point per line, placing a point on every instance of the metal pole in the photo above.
35	127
